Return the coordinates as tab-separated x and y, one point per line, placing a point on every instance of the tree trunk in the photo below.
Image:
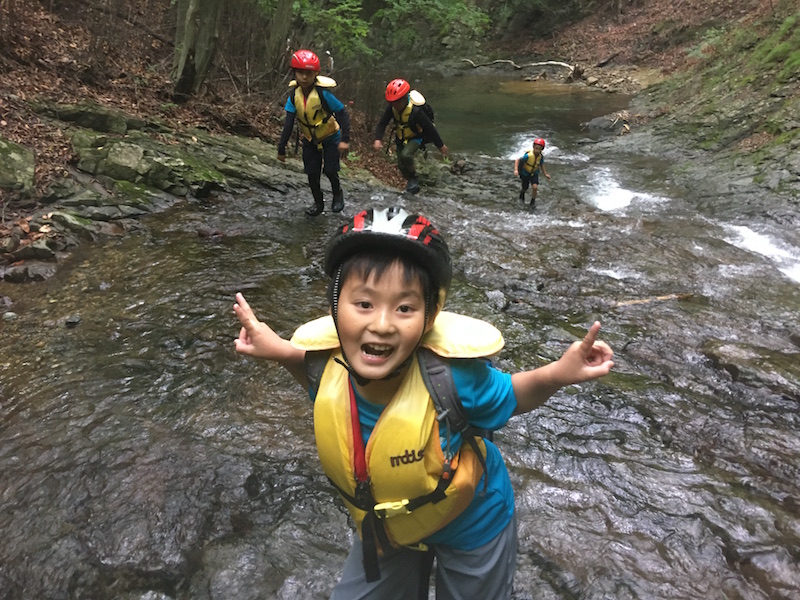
196	37
279	47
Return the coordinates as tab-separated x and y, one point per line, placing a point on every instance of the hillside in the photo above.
41	60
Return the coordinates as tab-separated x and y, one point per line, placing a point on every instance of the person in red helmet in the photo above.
324	124
417	482
527	168
413	128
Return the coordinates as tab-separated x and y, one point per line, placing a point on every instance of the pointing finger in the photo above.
590	338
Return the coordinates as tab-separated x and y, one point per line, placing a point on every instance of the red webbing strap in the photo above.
370	526
359	455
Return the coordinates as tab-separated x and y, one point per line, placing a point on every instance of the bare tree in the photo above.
196	38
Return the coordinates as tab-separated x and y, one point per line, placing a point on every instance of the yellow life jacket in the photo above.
404	456
404	130
533	162
316	123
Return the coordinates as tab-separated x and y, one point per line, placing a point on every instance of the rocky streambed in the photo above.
143	459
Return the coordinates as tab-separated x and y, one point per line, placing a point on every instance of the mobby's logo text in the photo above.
410	456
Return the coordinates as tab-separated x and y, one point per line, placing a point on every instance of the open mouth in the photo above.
377	350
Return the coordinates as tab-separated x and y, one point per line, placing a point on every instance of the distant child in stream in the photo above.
404	403
527	168
324	124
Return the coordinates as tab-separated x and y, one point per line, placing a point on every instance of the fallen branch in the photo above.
607	60
546	63
655	299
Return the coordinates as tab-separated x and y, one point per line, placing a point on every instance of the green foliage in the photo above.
711	40
405	24
791	67
781	49
534	17
337	24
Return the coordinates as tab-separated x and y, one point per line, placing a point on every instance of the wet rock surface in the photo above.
143	460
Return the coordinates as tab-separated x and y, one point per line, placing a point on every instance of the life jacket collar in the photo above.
452	336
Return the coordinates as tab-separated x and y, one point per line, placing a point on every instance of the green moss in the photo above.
791	67
780	46
719	101
779	53
133	194
200	172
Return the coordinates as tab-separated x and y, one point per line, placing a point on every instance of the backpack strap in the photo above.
325	106
438	378
315	361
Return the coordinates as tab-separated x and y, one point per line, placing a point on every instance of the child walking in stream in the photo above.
527	168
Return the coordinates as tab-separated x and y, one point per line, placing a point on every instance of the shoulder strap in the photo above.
325	106
438	378
315	362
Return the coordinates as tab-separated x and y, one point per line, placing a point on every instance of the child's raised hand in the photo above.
256	338
588	359
584	360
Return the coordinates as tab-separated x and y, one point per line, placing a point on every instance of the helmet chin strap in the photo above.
363	381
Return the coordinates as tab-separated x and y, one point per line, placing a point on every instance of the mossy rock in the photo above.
16	167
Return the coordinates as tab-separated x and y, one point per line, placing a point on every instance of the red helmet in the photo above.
396	89
539	142
305	60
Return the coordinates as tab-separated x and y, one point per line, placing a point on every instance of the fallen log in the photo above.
546	63
607	60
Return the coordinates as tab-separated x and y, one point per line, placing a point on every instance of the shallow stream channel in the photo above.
142	459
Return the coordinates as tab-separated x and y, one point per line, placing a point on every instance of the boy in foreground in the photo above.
409	482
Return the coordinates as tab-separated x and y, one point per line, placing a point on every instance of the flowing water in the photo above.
140	458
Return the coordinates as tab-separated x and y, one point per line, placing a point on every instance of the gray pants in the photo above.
484	573
405	158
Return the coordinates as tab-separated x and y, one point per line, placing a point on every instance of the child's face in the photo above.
537	149
305	78
380	321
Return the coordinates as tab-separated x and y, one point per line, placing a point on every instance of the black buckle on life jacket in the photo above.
363	496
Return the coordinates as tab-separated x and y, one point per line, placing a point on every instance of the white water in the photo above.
783	256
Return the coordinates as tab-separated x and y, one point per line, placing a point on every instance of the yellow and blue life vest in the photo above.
316	122
414	489
533	162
